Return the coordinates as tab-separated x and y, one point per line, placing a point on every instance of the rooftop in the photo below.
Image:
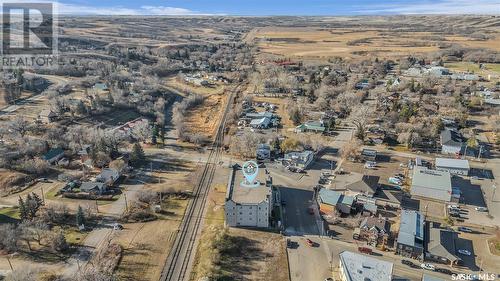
358	267
452	163
367	184
332	197
428	277
432	179
411	229
442	243
247	195
450	137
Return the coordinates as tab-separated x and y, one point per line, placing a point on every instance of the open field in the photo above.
146	245
369	37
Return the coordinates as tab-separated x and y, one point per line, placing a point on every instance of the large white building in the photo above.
453	166
431	184
247	206
358	267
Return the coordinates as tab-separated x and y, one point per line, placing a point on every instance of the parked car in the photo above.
464	229
444	270
365	250
464	252
309	242
117	226
407	262
453	206
394	180
481	209
428	266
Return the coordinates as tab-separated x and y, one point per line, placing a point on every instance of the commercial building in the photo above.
358	267
247	206
453	166
410	242
330	201
441	246
431	184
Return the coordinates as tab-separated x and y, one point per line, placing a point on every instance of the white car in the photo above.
481	209
464	252
453	206
428	266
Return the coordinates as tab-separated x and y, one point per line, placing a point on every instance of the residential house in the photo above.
47	116
53	155
441	246
108	176
453	166
260	123
263	152
93	187
330	202
410	242
299	159
431	184
84	153
367	186
311	126
358	267
374	230
451	142
35	83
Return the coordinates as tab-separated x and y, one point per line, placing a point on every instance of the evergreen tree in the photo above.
162	135
37	200
137	156
80	216
154	134
22	209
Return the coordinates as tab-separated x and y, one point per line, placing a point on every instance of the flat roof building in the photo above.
410	242
453	166
358	267
431	184
247	206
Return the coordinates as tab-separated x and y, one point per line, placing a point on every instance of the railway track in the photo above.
177	267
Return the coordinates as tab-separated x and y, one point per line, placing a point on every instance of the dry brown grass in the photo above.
322	43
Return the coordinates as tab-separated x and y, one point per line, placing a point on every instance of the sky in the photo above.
274	7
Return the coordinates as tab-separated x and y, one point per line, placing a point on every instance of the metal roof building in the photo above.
431	184
410	241
358	267
453	166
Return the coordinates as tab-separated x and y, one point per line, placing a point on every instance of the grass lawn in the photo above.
74	236
10	214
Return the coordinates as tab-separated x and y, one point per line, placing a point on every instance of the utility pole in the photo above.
494	191
480	151
96	207
10	264
43	197
125	197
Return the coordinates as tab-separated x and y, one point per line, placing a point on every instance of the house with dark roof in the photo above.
410	242
108	176
373	230
367	186
441	246
93	187
330	201
451	142
53	155
47	116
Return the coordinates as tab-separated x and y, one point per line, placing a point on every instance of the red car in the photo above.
309	242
